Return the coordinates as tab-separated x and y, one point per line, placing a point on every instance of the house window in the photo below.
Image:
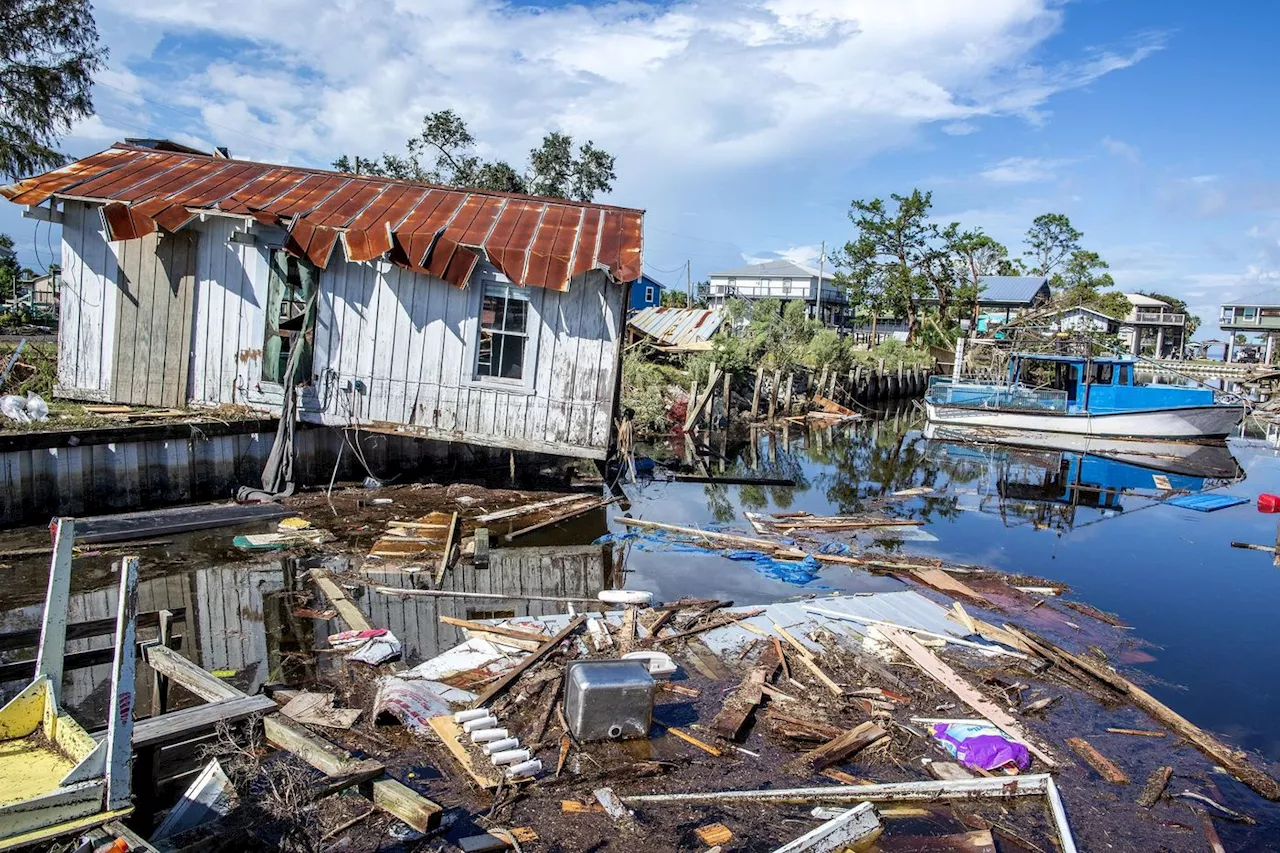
648	294
1228	315
786	285
1248	315
733	282
291	317
504	333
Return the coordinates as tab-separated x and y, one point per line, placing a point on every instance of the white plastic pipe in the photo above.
468	716
510	756
486	735
501	745
528	768
486	722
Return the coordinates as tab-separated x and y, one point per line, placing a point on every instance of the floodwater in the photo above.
1092	520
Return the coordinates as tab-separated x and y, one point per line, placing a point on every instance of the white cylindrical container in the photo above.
528	768
489	721
501	745
468	716
510	756
486	735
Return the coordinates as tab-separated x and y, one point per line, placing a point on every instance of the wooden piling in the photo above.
791	379
773	393
728	402
755	394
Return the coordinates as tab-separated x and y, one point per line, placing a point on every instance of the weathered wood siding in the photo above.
86	339
408	340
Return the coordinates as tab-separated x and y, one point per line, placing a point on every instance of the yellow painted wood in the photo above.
69	827
72	739
29	767
24	713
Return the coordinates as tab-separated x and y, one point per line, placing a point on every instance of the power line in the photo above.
659	269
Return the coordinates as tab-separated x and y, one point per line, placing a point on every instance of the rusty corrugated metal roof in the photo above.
441	231
678	327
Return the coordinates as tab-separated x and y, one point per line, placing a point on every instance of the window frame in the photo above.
268	252
648	294
786	287
482	281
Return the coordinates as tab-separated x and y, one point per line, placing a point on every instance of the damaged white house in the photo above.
435	312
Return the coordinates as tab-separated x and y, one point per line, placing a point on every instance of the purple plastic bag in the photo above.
981	746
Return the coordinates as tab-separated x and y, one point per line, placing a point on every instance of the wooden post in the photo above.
831	385
728	404
693	401
159	683
773	393
822	380
120	712
755	395
791	378
53	632
857	382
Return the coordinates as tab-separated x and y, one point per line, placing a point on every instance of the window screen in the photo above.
504	332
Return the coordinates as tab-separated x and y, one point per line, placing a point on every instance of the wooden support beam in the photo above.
1105	767
499	686
481	557
446	558
512	633
186	674
347	609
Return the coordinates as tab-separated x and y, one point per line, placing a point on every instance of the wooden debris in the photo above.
1099	762
738	707
316	709
579	807
949	678
979	841
450	734
510	633
572	511
1235	763
844	778
1137	732
688	738
713	834
499	686
450	548
851	828
1156	783
566	743
680	689
706	535
627	634
720	621
526	509
612	806
947	770
841	748
1216	806
524	834
944	582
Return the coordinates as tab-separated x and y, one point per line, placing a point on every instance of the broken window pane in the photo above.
290	316
504	329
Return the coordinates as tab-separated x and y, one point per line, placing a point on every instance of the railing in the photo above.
1160	317
943	392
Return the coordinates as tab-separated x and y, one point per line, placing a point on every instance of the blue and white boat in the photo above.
1076	395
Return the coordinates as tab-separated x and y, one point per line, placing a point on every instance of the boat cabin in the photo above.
1100	385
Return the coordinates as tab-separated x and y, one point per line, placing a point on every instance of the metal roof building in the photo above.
1013	291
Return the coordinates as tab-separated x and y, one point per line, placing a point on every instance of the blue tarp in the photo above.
1207	502
798	573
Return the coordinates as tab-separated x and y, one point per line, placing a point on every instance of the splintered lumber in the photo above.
840	749
579	807
1137	732
1235	763
833	408
943	582
1026	784
446	558
512	633
695	533
688	738
499	686
1156	783
720	622
932	665
526	509
738	707
337	596
480	556
1105	767
851	828
611	804
573	511
713	834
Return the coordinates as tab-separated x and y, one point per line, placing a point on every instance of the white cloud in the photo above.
1024	170
806	255
1121	149
697	87
959	128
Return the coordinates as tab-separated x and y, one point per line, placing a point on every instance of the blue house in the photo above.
646	292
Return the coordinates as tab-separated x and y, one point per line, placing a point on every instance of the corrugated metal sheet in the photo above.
1019	290
678	327
440	231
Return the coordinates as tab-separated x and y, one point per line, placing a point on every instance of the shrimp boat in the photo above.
1078	395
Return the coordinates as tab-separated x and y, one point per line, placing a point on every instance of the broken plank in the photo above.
711	535
947	770
944	582
1154	789
573	511
978	841
714	834
932	665
512	633
509	678
840	749
738	707
1137	732
579	807
328	758
1236	764
613	807
526	509
446	559
480	558
852	827
720	622
337	596
1099	762
688	738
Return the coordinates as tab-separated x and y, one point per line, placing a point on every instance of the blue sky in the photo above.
745	127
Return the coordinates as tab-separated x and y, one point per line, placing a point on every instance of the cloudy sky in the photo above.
745	127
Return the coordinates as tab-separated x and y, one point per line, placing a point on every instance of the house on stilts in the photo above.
433	312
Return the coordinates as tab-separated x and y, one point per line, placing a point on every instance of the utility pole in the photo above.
688	285
822	259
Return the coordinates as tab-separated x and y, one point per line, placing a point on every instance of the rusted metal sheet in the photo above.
677	327
441	231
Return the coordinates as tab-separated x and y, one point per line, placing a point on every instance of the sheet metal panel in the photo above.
441	230
677	327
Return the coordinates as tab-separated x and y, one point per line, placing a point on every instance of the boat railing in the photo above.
944	392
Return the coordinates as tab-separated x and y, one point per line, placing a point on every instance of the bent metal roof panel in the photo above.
434	230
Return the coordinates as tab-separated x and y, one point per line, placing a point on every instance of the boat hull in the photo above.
1189	423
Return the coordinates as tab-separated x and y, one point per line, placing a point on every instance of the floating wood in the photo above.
735	481
843	747
499	686
711	535
571	512
1156	783
949	678
1099	762
738	707
337	596
526	509
849	829
1137	732
944	582
688	738
1235	763
978	841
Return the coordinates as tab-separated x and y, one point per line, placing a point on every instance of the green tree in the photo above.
443	152
674	298
48	54
973	255
10	272
1051	241
1179	307
893	262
